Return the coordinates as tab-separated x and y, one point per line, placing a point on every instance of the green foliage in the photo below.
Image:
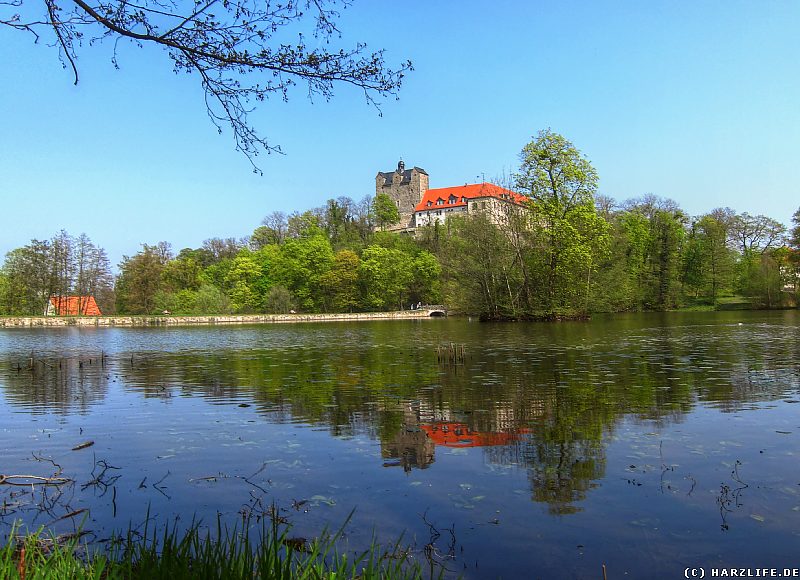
555	175
300	266
385	210
794	235
709	262
279	300
211	300
340	283
182	273
62	266
620	276
140	280
566	239
385	275
481	274
425	283
662	260
241	278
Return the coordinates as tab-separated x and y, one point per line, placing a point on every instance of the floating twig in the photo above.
83	445
71	514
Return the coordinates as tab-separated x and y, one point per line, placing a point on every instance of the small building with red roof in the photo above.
72	306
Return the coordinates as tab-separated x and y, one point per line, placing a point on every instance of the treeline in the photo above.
566	253
571	252
328	259
61	266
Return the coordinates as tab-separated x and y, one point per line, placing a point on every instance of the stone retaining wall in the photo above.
58	321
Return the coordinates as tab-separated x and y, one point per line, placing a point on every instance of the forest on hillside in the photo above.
568	252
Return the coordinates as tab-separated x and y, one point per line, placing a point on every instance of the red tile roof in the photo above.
462	193
75	306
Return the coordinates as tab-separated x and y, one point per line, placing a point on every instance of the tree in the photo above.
241	51
554	173
385	274
62	266
794	235
299	266
278	300
561	184
708	261
385	210
273	229
340	283
242	278
755	233
793	258
211	300
140	279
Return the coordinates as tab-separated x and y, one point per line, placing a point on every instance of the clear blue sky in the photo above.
695	101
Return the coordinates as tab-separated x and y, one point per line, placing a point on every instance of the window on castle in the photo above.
474	205
452	199
440	201
429	204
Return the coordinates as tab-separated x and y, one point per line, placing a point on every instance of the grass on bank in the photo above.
192	554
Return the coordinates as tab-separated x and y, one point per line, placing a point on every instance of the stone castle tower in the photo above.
405	187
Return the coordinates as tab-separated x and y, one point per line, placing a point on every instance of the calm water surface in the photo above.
650	443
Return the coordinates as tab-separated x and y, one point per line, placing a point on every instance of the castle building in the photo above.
420	206
405	187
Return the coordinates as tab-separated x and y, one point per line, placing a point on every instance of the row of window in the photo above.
451	200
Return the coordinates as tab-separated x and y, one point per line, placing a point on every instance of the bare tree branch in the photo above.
242	50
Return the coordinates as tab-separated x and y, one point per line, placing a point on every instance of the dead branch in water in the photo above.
83	445
37	480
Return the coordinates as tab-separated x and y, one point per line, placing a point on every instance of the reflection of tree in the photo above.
562	472
61	385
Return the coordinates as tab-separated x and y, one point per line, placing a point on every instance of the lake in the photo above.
650	443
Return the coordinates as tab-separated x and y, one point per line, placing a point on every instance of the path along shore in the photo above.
59	321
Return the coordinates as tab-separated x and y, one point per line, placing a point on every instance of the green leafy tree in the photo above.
426	275
385	210
140	279
211	300
479	270
620	277
663	260
340	283
182	273
794	235
241	279
304	225
300	266
279	300
709	261
561	184
385	275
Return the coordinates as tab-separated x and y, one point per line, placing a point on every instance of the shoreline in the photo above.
220	319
